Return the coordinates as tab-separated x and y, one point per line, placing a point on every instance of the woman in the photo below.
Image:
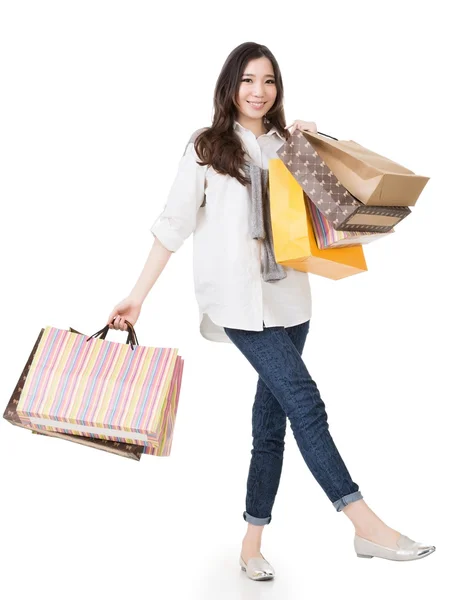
245	298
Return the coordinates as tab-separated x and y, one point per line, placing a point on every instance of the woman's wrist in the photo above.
135	298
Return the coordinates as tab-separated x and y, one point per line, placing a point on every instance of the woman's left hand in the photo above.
303	126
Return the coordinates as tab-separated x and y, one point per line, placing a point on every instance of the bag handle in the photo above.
131	339
72	330
326	135
103	334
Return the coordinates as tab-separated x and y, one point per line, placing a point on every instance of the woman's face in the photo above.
257	92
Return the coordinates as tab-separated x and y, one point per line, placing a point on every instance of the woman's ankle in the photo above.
251	539
253	536
362	517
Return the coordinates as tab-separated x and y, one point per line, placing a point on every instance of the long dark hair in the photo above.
219	146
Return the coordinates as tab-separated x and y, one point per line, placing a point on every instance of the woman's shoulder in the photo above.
194	135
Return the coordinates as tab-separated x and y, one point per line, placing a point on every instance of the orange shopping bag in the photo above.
293	235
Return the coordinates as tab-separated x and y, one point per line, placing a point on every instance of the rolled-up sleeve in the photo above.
178	219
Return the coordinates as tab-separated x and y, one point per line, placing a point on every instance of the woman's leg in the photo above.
283	371
280	366
268	430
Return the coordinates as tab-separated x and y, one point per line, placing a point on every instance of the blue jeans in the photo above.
286	389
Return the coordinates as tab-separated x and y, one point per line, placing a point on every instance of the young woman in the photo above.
265	317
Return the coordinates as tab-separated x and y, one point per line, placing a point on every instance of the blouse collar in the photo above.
238	126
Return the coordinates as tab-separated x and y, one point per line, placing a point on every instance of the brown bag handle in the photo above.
103	334
131	339
72	330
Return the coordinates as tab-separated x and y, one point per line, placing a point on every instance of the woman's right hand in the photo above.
128	309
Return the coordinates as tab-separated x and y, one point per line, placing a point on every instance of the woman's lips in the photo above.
256	106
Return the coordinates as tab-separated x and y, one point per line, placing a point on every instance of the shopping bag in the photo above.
92	387
293	235
121	449
331	197
165	449
170	418
373	179
327	236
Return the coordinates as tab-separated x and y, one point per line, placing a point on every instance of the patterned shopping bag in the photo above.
344	211
371	178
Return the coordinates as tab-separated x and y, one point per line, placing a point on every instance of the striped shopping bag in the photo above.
327	236
88	386
126	450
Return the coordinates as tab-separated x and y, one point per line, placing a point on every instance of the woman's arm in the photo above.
129	309
176	222
154	266
172	227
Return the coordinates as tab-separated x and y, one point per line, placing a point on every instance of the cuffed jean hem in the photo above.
340	504
256	520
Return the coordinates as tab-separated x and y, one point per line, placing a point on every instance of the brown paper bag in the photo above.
330	196
373	179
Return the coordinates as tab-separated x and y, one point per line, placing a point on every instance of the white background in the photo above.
98	100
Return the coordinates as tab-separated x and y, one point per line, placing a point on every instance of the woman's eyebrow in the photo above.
253	75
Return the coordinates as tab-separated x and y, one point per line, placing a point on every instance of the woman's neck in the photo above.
256	126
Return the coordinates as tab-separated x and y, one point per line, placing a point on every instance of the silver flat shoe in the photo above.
257	568
407	549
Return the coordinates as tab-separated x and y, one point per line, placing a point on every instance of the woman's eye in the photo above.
268	81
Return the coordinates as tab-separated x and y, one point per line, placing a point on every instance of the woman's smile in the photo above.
256	105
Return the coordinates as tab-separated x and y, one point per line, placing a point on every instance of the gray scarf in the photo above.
260	222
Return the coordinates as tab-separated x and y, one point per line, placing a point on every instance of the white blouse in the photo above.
229	288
